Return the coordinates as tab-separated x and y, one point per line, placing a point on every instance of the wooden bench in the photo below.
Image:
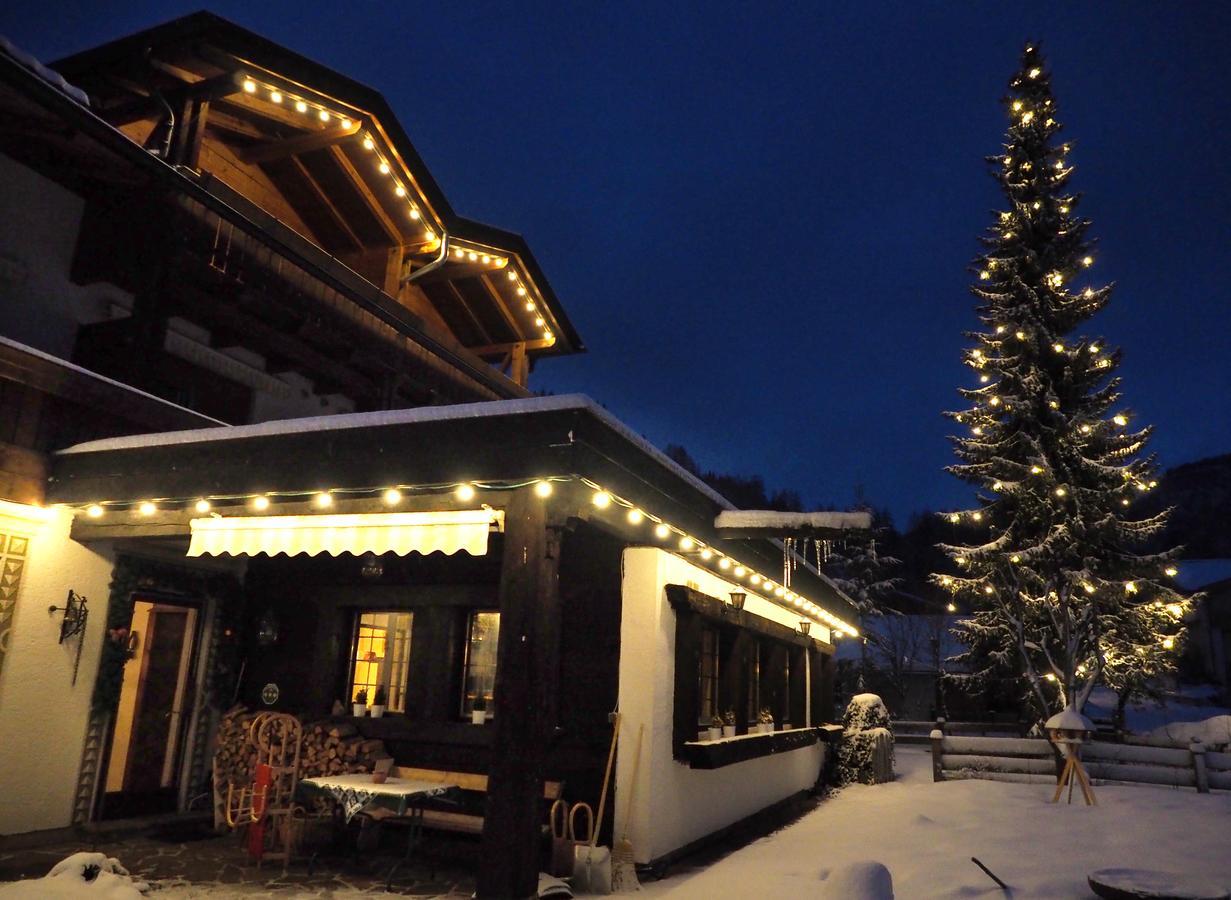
445	820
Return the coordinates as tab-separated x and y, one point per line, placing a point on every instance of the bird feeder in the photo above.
1068	730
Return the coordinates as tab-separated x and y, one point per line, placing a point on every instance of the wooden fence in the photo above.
1034	760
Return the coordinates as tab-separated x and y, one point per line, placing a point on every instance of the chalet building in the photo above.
265	422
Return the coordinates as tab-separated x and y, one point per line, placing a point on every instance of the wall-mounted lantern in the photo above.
75	615
805	626
737	599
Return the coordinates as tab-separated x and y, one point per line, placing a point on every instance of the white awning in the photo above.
413	532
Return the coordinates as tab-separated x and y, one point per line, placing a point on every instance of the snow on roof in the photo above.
55	79
398	417
770	518
1069	718
72	367
430	414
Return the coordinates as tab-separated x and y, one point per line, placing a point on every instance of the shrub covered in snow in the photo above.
82	875
1214	732
858	881
866	752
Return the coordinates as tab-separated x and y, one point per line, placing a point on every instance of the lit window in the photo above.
381	657
480	676
707	677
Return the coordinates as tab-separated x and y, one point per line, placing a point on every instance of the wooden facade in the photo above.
261	262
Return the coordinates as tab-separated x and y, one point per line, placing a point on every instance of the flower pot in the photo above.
478	716
728	731
714	733
766	727
377	711
358	709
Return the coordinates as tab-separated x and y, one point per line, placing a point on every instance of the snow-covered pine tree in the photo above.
862	574
1062	592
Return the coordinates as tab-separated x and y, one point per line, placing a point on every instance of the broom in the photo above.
623	869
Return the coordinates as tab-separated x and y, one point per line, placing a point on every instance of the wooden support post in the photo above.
937	739
829	673
1197	749
527	681
519	364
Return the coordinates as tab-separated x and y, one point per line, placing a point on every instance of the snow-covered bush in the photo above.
91	875
858	881
1214	732
866	752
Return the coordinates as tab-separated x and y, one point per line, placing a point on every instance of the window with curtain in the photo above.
479	677
381	656
707	677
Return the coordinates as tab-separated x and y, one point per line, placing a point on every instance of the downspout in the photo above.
434	264
166	143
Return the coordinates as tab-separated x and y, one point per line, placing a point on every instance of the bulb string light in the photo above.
670	537
402	183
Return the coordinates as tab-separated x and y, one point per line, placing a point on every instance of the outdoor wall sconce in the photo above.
75	615
267	628
371	567
804	627
737	599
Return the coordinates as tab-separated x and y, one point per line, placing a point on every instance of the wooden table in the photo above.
400	798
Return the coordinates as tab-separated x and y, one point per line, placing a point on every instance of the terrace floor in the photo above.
185	862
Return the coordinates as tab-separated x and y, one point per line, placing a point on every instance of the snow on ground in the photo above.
926	833
82	876
1190	703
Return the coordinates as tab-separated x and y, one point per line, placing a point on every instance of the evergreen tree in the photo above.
862	573
1063	592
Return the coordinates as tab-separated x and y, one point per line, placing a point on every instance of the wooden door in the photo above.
156	714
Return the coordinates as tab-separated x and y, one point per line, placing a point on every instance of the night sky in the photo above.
760	217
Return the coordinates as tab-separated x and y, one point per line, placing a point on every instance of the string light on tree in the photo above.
1058	385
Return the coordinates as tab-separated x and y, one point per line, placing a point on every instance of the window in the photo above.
707	677
382	656
479	679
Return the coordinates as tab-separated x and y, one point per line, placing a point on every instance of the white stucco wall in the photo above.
673	804
43	716
39	222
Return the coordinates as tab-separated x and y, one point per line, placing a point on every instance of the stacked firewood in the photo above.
328	748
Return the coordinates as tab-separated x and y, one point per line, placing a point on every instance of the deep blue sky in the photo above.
760	217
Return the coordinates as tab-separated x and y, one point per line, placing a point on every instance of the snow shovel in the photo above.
591	863
623	869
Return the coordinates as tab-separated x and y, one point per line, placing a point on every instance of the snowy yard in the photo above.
926	833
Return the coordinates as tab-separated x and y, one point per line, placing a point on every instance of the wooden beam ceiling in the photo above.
326	204
304	143
360	185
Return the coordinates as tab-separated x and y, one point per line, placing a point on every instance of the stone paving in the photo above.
219	867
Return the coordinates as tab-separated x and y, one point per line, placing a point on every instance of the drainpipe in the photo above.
434	264
166	144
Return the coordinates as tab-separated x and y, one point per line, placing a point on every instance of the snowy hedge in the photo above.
866	752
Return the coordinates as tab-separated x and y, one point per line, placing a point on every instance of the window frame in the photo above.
782	656
352	661
465	705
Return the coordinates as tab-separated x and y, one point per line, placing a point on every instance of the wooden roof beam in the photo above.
325	202
461	300
502	307
502	349
395	235
304	143
215	88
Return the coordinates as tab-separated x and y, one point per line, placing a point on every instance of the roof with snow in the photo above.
763	522
505	442
55	79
